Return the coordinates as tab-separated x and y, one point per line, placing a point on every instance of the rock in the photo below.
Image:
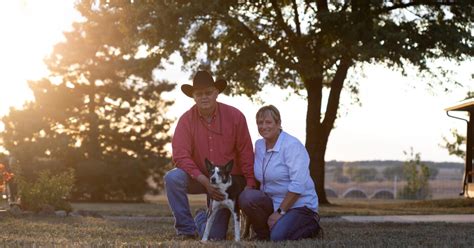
74	214
3	213
47	210
61	213
15	210
86	213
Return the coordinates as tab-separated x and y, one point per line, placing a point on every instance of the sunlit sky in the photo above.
394	115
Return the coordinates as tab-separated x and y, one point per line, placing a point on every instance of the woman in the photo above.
286	206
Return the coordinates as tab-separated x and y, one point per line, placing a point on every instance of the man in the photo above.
211	130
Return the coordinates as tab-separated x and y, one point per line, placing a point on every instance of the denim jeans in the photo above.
297	223
178	184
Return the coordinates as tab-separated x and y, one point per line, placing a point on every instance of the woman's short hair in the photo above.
272	110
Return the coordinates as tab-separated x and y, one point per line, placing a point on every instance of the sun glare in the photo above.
29	30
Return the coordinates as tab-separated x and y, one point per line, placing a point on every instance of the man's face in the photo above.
206	99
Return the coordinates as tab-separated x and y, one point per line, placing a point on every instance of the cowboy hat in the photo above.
202	80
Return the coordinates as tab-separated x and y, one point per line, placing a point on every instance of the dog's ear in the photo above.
228	166
208	165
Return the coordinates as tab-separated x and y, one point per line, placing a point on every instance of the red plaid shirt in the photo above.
225	138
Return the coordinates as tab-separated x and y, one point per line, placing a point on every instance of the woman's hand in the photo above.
273	219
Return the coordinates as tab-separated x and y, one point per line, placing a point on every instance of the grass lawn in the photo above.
34	231
380	207
338	207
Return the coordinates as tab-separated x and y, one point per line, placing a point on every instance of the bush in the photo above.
417	175
391	172
47	189
362	174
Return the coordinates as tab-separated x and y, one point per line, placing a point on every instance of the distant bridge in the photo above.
357	193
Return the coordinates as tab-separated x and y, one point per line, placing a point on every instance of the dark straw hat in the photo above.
202	80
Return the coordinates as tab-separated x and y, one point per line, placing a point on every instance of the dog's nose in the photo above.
213	180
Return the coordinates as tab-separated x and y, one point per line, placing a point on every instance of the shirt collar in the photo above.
216	123
278	144
213	115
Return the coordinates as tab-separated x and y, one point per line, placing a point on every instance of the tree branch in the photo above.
297	19
418	3
271	52
298	50
308	6
322	5
334	95
345	6
281	21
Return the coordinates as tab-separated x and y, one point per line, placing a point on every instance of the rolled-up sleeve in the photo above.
297	159
182	148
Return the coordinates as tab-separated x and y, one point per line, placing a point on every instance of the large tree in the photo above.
99	111
309	46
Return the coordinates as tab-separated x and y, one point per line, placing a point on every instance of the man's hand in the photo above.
273	219
212	191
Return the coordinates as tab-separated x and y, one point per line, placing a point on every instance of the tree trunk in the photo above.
319	128
93	148
317	170
315	140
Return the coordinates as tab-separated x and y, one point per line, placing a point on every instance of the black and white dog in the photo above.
220	177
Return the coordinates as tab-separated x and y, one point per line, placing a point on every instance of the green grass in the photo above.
159	207
34	231
94	232
352	207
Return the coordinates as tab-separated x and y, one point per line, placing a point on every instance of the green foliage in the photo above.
48	189
454	144
118	180
417	175
433	172
100	112
304	45
362	174
393	171
339	174
398	171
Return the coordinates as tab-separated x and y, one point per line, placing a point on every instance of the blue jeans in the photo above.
178	184
297	223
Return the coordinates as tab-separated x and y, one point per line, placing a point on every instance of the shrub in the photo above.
362	174
417	175
392	172
48	189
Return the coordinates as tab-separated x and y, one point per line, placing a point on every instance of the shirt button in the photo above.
210	149
210	137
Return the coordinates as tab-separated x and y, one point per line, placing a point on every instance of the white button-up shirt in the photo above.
285	168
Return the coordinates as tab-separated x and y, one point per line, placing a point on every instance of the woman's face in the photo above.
267	127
